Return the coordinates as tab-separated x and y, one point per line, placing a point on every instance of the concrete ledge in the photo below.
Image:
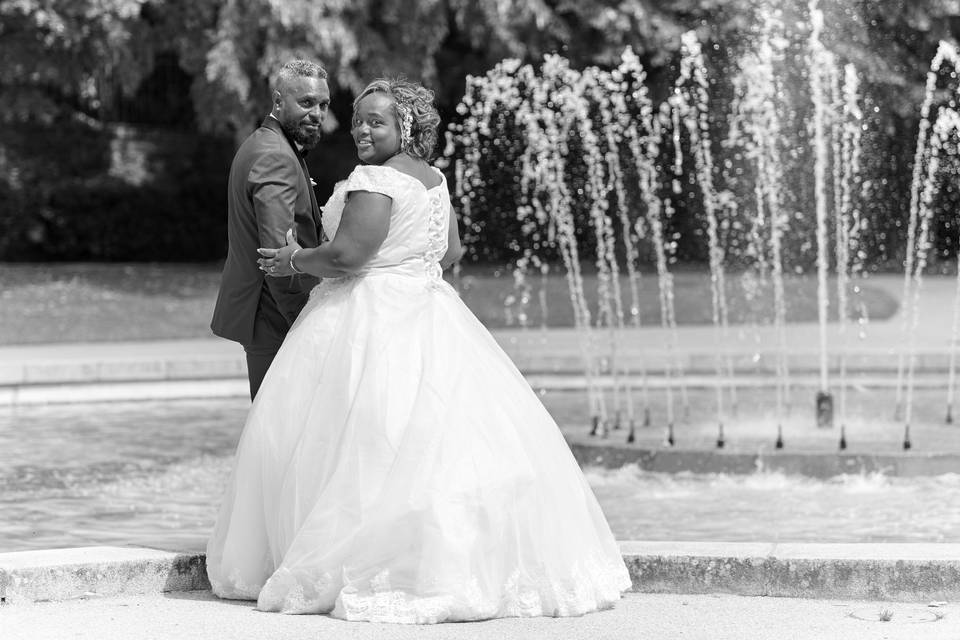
902	572
147	368
124	391
64	574
534	352
115	382
817	464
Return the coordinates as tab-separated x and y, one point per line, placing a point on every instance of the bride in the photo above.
395	465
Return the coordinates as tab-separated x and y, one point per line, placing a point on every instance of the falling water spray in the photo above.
947	124
691	102
946	52
846	162
821	59
755	128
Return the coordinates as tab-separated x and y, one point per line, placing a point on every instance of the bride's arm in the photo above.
363	228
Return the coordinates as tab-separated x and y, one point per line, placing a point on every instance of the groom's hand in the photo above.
276	262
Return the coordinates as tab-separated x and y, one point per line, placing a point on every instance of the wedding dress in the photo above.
396	466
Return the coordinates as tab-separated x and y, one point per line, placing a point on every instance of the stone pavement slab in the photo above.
64	574
200	616
915	572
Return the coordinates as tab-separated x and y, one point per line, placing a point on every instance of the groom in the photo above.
270	192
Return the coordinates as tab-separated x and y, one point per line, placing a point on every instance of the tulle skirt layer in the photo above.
397	467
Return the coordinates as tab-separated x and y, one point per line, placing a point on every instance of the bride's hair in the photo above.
416	115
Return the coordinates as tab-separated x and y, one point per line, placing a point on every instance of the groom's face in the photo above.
301	106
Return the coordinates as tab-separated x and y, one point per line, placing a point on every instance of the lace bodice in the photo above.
419	217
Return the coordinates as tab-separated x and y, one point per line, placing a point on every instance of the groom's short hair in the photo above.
297	69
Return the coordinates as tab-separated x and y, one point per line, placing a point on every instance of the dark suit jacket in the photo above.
268	192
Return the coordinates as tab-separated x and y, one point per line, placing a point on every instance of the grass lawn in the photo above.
74	302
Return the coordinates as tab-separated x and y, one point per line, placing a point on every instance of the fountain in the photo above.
933	142
592	165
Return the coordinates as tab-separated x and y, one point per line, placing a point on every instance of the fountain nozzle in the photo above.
824	410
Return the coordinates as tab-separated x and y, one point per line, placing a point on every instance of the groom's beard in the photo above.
304	138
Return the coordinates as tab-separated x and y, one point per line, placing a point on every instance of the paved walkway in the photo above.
198	615
682	590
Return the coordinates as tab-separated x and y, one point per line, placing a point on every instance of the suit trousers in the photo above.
269	329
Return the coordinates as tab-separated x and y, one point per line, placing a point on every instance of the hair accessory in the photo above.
406	125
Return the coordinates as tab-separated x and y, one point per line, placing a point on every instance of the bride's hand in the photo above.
276	262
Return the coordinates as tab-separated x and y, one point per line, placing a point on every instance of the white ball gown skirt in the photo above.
397	467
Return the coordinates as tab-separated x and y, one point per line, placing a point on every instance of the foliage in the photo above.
81	205
75	63
78	55
58	55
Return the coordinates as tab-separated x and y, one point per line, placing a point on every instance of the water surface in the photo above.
151	474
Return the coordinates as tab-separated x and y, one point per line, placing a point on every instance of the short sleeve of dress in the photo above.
372	178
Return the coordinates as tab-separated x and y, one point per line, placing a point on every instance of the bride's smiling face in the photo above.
375	130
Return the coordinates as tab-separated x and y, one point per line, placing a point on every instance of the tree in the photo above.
78	55
67	55
84	61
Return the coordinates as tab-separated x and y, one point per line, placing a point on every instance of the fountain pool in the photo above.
150	474
763	157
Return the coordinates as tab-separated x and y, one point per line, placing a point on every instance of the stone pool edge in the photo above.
903	572
816	464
